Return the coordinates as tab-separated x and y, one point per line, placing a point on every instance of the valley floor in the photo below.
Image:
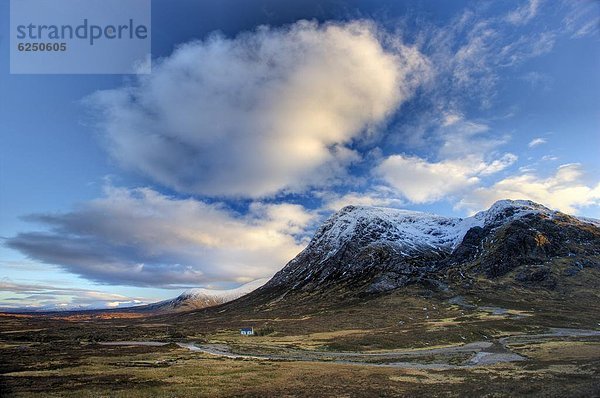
397	345
565	367
446	357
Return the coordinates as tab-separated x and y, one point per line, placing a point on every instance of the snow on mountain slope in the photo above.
506	210
412	230
408	229
202	298
589	220
223	295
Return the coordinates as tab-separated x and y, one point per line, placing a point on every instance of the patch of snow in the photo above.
224	295
589	220
506	210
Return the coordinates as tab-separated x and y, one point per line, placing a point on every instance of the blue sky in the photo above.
260	118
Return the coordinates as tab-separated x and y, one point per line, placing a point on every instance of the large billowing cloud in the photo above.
141	237
265	112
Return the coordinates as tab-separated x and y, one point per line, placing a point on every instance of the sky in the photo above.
261	118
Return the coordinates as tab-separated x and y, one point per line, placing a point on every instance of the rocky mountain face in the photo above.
367	250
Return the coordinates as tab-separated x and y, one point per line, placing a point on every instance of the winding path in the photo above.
484	352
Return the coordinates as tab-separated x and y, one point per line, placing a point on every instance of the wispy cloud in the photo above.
549	158
47	297
524	13
380	196
470	57
537	80
582	19
536	142
525	47
469	54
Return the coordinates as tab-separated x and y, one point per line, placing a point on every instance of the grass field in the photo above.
60	355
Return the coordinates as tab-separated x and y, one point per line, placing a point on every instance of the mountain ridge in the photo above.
365	250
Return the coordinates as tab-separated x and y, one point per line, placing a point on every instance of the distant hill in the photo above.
194	299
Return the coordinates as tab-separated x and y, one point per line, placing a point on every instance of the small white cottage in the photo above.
247	331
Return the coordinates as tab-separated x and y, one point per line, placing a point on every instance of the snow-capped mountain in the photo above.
201	298
379	249
412	231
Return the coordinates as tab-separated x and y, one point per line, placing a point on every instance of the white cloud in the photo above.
527	46
549	158
525	13
473	62
582	19
496	165
565	190
450	119
470	54
536	142
379	196
465	152
465	137
143	238
268	111
48	298
421	181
